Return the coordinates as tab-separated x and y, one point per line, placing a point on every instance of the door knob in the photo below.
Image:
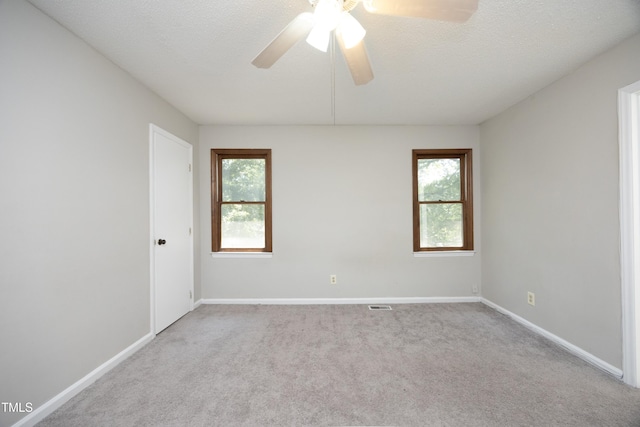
161	242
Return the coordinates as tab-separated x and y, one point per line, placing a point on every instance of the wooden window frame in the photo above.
217	155
466	196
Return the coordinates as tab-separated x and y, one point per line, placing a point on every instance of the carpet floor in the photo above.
344	365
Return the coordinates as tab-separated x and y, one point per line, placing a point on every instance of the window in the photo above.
442	200
241	200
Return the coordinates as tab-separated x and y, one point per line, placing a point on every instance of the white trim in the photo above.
241	255
56	402
197	304
629	143
571	348
434	254
153	130
337	301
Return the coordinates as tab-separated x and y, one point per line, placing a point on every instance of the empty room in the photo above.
320	212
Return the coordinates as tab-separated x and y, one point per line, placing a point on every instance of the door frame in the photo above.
629	143
155	130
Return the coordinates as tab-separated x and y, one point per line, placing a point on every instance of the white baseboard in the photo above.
571	348
321	301
48	407
197	304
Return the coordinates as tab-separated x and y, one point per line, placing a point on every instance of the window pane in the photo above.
243	180
438	179
441	225
242	226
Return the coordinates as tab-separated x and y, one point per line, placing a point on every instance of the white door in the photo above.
171	229
629	134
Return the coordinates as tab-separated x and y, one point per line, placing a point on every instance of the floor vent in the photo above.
380	307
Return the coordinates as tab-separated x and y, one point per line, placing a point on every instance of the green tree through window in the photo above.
241	188
442	200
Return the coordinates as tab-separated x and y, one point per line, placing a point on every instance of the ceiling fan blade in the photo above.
297	29
442	10
357	61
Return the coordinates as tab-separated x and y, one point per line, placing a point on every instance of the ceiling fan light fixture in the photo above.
351	30
319	38
326	15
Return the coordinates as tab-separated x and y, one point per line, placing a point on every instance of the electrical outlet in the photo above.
531	298
474	288
333	279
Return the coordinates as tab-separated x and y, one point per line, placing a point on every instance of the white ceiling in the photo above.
197	55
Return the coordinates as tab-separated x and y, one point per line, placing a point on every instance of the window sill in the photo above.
241	254
435	254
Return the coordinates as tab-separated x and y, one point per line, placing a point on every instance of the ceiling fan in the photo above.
330	15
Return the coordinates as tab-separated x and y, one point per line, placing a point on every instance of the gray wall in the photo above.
550	204
74	206
341	205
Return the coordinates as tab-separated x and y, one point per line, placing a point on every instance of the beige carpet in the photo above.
417	365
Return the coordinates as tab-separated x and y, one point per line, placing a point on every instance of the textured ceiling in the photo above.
197	55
